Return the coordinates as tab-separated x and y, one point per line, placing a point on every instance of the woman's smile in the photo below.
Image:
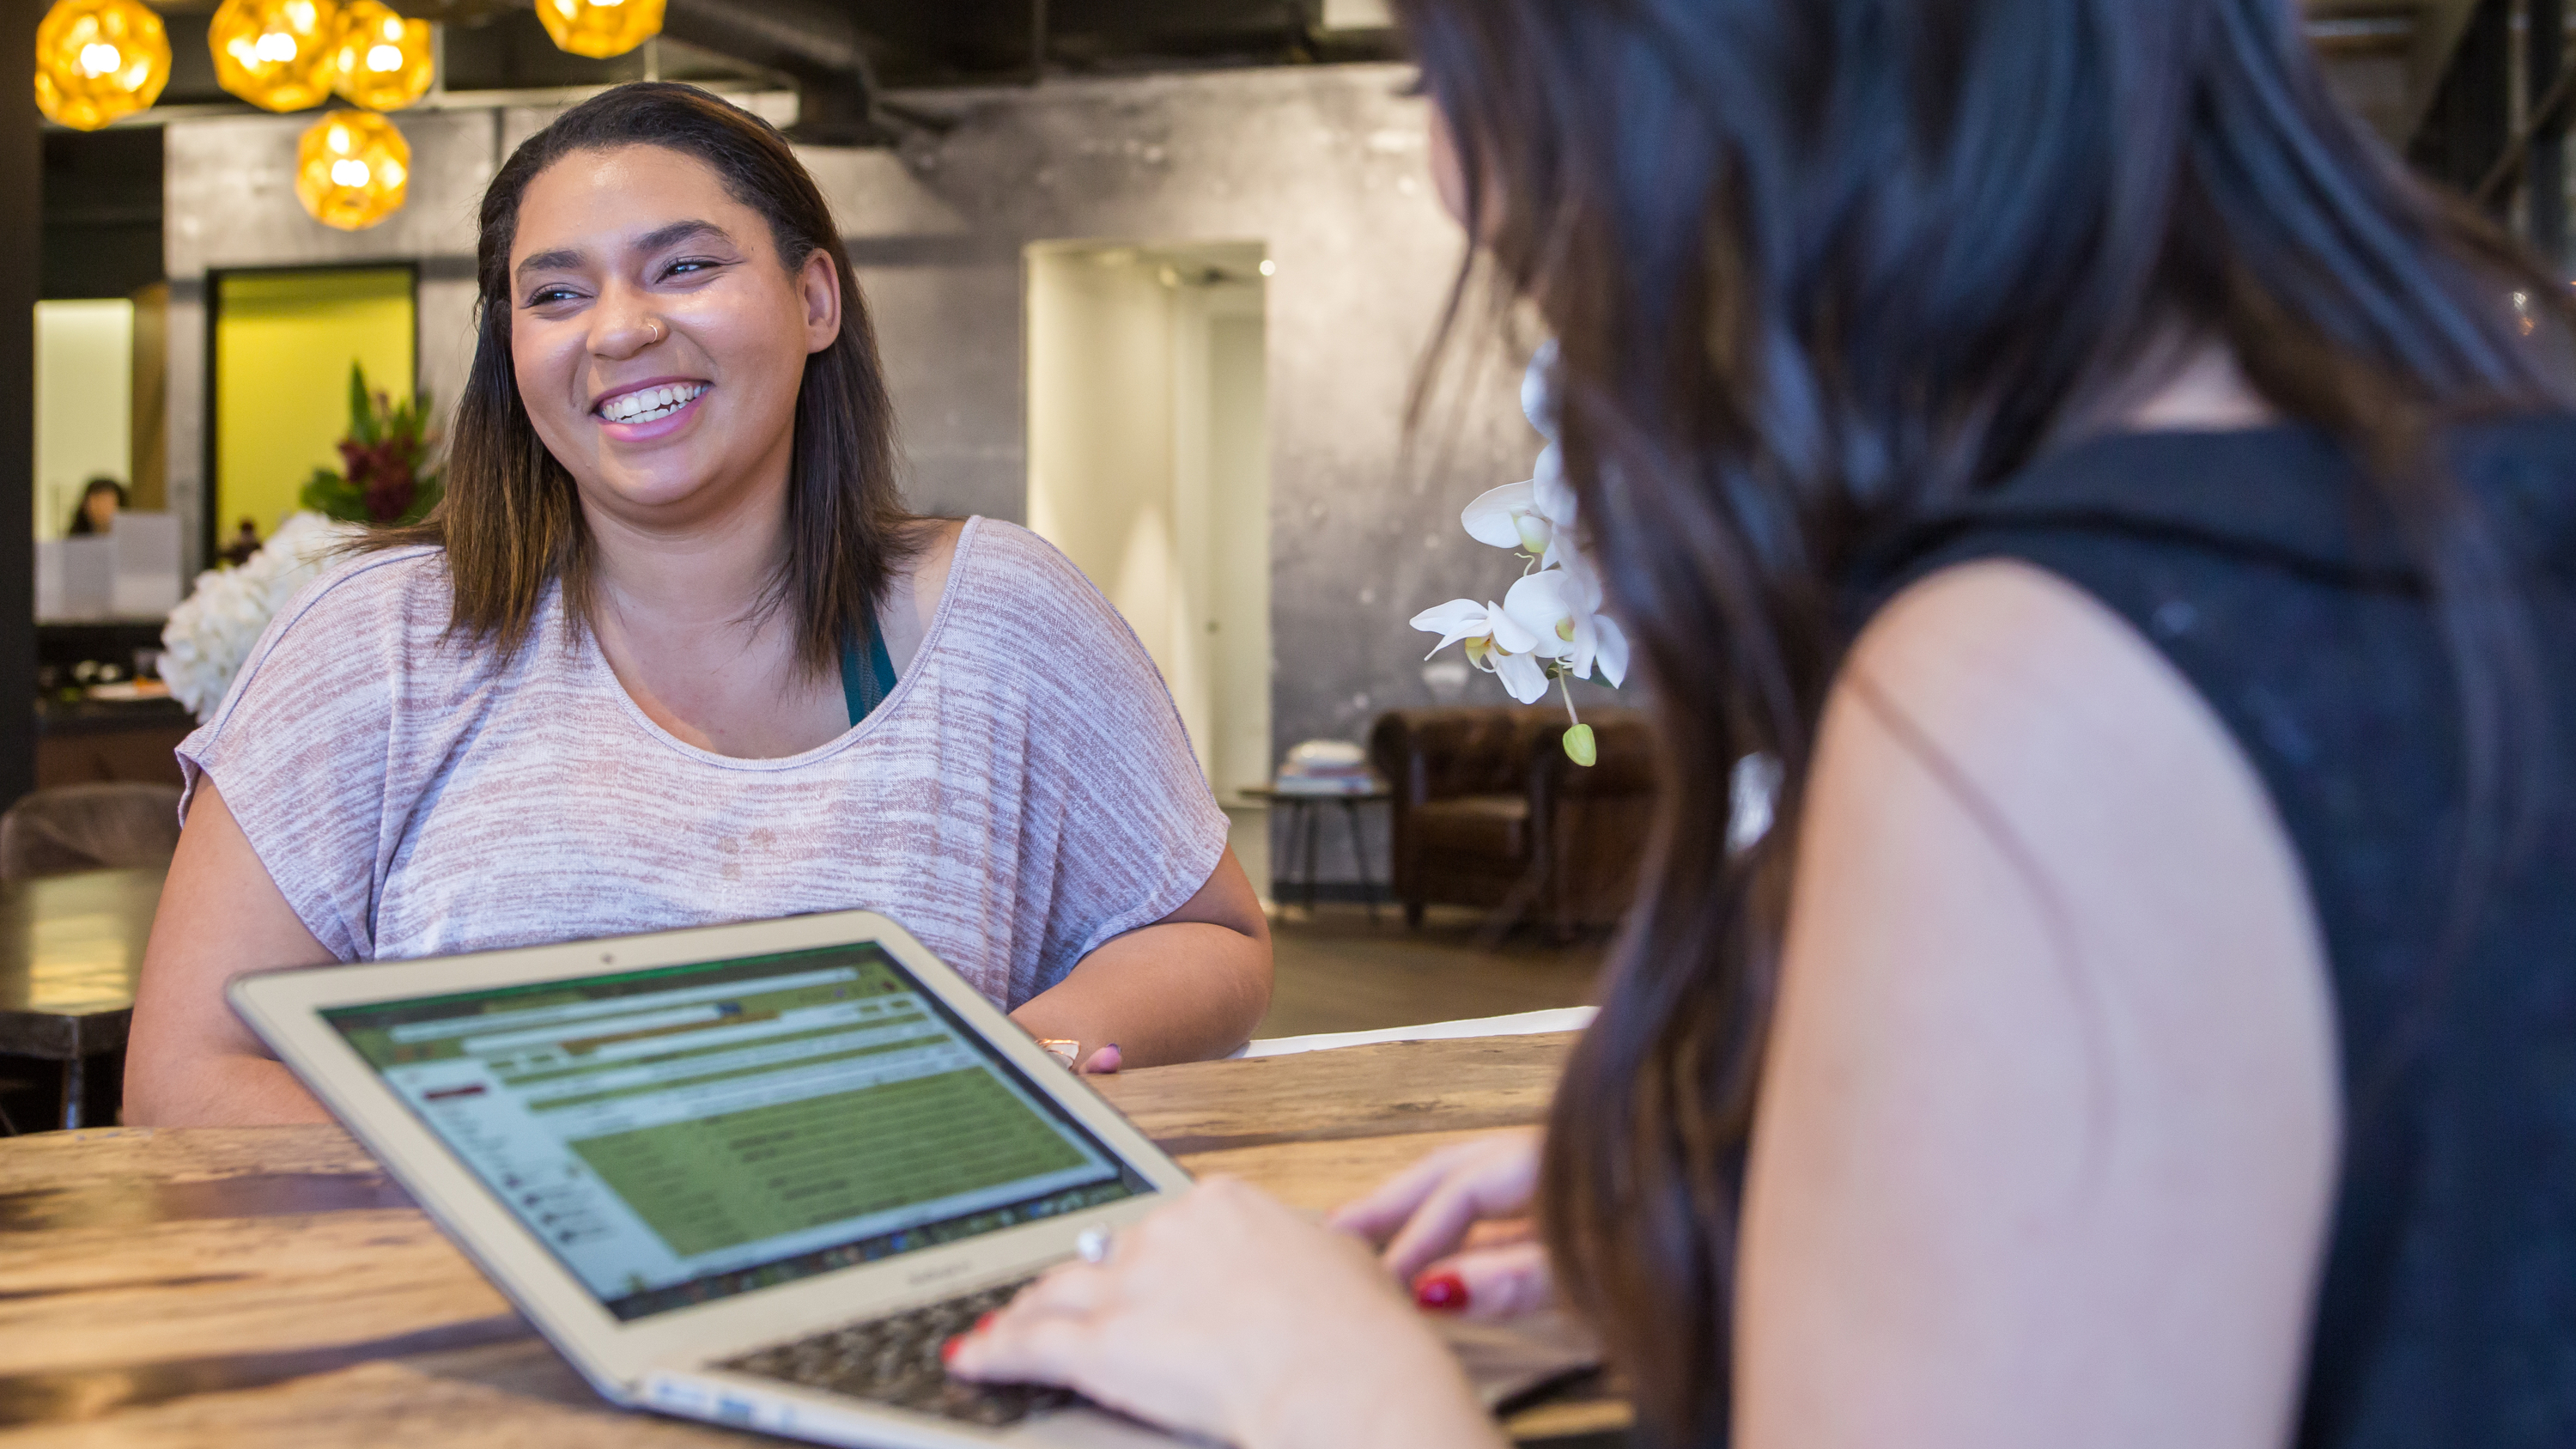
649	411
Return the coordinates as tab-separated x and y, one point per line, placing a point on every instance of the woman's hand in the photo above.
1455	1226
1226	1314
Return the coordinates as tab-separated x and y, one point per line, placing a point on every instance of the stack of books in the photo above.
1327	767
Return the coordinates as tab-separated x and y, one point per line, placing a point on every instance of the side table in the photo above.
1303	826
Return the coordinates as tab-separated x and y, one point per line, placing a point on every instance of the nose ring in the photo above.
656	325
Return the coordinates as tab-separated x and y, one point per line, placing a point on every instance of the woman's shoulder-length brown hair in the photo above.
511	523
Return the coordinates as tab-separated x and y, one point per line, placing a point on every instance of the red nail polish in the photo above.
1441	1293
985	1322
948	1350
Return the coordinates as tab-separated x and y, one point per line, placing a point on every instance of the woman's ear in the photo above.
818	282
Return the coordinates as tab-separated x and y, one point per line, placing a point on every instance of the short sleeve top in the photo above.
1026	792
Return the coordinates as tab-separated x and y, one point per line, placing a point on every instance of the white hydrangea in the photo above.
210	636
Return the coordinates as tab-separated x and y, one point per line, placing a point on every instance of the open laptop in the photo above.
752	1174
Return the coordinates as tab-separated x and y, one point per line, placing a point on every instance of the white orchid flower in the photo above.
1496	643
1535	516
1563	608
1508	517
1553	498
1538	390
1550	626
1524	677
1610	650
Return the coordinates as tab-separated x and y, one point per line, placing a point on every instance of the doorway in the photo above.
1149	465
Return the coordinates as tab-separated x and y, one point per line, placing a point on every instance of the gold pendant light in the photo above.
381	61
351	168
600	28
97	60
275	53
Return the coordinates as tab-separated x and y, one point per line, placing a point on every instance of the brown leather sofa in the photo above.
1489	812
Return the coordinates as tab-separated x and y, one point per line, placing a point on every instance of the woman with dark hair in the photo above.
99	504
670	652
2138	521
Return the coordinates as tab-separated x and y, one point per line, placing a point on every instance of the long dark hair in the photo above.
1818	268
511	522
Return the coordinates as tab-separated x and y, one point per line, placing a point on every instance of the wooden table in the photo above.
70	947
271	1286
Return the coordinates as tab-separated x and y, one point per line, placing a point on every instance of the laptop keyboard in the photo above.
896	1361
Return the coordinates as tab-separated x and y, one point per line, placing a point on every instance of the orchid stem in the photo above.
1566	683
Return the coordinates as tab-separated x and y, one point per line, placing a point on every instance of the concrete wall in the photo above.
1323	166
1326	168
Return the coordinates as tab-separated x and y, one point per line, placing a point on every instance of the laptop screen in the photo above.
691	1132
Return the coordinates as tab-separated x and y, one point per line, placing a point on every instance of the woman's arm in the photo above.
2047	1128
189	1061
1189	987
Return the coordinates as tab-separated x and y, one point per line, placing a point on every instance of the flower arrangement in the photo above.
1549	626
390	475
210	635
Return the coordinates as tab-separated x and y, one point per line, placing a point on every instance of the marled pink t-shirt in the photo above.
1025	794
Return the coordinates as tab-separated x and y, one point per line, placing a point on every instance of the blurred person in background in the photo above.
100	500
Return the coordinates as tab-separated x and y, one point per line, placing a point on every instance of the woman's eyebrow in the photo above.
560	259
566	258
679	231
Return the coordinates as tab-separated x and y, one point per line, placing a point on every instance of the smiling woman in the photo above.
671	652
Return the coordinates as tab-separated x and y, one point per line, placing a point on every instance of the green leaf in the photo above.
333	496
1581	748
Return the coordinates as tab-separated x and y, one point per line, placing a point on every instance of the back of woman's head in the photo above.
1816	268
510	520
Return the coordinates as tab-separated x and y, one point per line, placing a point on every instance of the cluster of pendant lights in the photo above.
98	60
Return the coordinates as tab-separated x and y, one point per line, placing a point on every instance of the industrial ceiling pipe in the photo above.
815	47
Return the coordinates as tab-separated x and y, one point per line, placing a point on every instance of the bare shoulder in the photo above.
2000	656
2000	709
2051	1077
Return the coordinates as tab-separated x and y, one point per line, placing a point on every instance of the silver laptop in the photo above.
752	1174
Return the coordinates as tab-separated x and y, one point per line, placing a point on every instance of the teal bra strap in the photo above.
865	684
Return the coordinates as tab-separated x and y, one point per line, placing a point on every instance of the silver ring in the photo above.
1093	1245
658	330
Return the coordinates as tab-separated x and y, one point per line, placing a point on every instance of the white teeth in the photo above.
646	404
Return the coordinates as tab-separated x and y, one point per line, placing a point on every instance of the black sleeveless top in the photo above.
2257	565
